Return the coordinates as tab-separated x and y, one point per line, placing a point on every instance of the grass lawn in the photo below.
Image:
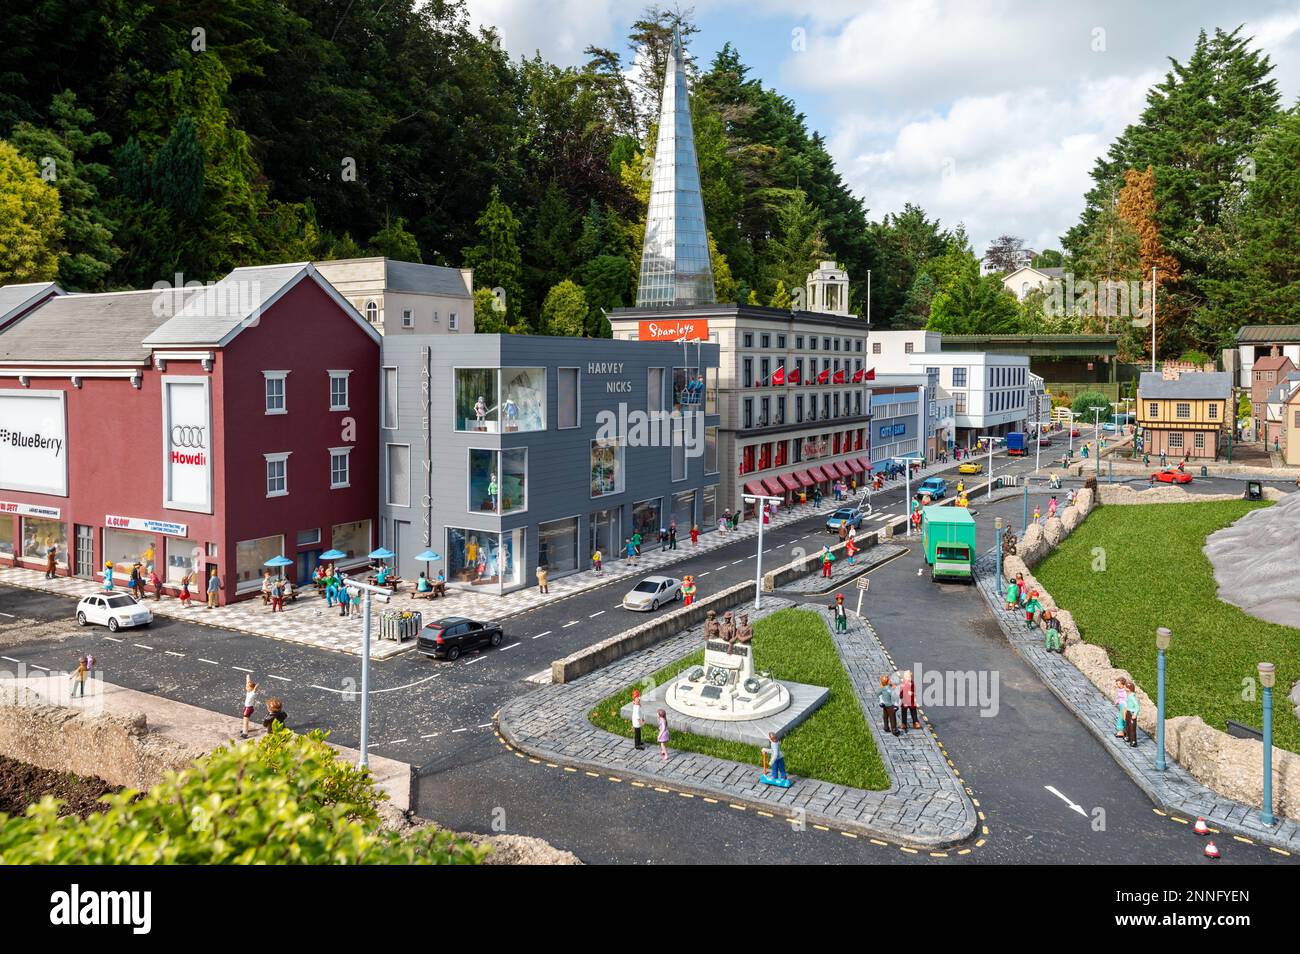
834	745
1156	575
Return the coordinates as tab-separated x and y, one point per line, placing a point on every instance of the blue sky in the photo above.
985	112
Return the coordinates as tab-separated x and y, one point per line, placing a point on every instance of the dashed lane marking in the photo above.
114	639
281	678
570	623
241	669
210	662
540	635
168	652
141	646
12	660
41	668
597	613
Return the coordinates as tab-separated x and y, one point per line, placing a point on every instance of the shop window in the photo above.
711	450
183	557
567	412
688	387
557	546
606	467
654	389
277	474
339	390
647	520
476	400
708	508
6	535
398	460
128	547
683	512
476	558
390	398
780	454
523	399
602	532
250	560
340	467
352	538
498	480
308	538
747	460
39	534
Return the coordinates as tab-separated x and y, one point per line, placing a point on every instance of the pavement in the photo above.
439	717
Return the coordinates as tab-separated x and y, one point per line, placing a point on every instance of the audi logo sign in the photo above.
187	466
191	437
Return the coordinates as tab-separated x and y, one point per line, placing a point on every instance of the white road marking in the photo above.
11	659
281	678
540	635
473	661
723	567
114	639
734	562
373	692
597	613
483	725
210	662
704	574
170	653
1073	805
459	730
393	742
431	735
511	646
568	624
9	615
141	646
41	668
242	669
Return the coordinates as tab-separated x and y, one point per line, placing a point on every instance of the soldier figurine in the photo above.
711	626
727	630
744	632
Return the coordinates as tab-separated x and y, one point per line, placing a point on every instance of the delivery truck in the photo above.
948	538
1016	444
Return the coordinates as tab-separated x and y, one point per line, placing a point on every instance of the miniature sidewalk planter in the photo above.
926	805
1174	789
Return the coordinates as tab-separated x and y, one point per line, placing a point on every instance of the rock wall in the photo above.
1228	766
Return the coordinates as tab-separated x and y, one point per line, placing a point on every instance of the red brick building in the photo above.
211	427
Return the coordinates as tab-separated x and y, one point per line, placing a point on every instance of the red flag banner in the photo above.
840	377
870	375
778	376
857	376
824	376
794	377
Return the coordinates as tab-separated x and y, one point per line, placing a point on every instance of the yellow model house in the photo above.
1184	415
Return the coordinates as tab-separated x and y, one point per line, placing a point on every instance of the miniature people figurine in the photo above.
492	490
851	548
1051	507
108	575
841	614
1052	640
512	415
1032	606
727	631
1037	513
907	701
480	412
695	535
1121	694
744	632
711	628
827	559
688	590
776	760
638	721
1013	594
1131	714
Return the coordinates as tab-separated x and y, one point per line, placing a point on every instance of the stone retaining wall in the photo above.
1228	766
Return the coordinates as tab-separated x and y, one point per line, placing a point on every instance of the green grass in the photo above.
1156	575
834	745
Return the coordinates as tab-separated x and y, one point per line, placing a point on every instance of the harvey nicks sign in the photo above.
687	329
187	444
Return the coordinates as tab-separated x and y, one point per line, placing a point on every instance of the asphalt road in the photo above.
438	716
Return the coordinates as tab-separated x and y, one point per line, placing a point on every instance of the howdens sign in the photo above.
33	442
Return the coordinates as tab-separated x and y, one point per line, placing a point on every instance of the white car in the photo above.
652	593
114	610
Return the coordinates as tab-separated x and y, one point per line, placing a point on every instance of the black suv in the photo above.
448	638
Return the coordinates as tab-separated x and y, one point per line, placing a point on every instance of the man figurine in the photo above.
480	412
727	631
841	614
711	628
744	632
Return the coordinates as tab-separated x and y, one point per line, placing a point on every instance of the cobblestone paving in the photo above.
926	805
843	572
1173	789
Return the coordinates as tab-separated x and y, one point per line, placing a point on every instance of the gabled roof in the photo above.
1271	363
1289	334
15	299
1210	385
424	279
102	328
218	312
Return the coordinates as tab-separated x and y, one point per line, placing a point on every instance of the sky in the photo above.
990	113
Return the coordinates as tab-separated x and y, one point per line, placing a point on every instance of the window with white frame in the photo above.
453	324
1183	410
372	311
339	390
277	474
275	392
408	318
959	377
1214	410
340	468
388	418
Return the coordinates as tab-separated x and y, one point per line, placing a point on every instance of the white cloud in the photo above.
561	29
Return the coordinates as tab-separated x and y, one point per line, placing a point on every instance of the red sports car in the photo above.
1074	432
1171	476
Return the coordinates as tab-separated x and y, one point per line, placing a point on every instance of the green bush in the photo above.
1085	401
285	799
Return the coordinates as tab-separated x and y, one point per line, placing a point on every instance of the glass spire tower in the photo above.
675	267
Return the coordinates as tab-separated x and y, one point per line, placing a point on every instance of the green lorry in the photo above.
948	536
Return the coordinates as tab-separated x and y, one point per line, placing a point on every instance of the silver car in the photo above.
652	593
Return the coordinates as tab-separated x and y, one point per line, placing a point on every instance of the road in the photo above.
1027	765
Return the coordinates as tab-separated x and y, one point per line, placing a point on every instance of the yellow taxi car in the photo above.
970	467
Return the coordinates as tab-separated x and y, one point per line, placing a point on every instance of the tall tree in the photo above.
29	221
1005	254
496	259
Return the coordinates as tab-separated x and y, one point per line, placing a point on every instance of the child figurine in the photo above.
1013	595
776	767
841	614
595	560
1051	507
1037	513
851	548
688	590
108	576
1032	606
1121	695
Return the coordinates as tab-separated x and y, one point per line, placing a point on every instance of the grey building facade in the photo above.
501	453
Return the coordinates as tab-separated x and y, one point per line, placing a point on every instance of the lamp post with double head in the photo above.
1163	636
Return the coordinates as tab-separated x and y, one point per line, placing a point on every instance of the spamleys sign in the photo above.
685	329
33	442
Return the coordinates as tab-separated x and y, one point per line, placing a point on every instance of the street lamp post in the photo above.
383	595
760	503
1162	643
991	438
1096	437
1267	677
997	546
907	488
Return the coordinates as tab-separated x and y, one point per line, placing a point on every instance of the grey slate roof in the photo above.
424	279
1206	385
213	312
1053	271
104	327
1268	333
13	298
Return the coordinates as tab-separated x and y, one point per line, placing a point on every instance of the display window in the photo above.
647	520
557	546
250	560
126	548
353	538
41	533
476	405
498	480
182	557
606	467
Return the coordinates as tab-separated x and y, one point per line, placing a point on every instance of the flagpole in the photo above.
1153	318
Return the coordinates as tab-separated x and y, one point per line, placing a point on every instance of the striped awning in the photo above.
790	482
754	487
805	479
819	475
773	486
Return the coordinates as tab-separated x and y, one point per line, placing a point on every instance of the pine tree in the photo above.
394	241
496	260
178	171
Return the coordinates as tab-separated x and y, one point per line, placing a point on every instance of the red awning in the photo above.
854	465
790	482
774	486
805	478
866	463
844	469
819	475
753	487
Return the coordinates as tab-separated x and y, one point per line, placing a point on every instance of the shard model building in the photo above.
675	267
